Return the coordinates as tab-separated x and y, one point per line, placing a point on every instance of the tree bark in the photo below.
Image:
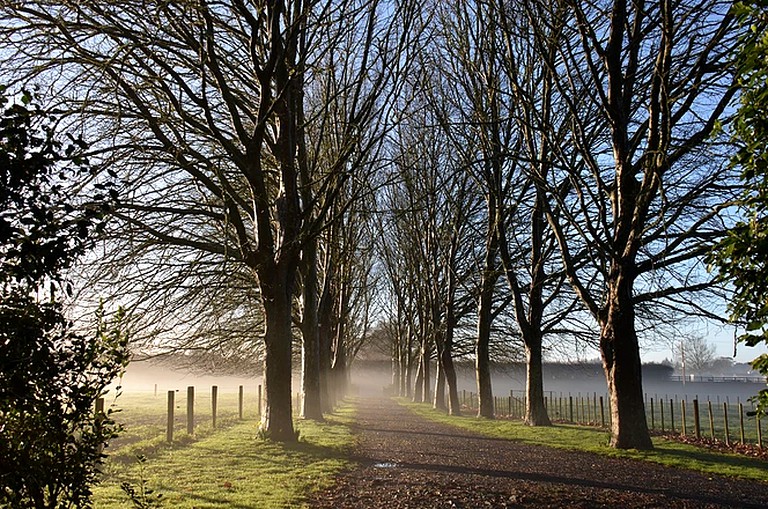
439	399
409	365
426	353
418	387
339	368
482	347
621	361
325	332
310	351
326	326
277	421
454	407
485	315
535	410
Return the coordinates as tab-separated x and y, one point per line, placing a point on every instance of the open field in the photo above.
218	468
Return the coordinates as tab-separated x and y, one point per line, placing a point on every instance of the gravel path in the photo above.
406	461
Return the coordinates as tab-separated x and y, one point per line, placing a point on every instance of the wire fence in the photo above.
716	420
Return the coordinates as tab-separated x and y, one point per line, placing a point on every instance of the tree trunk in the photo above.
395	367
446	356
484	321
310	351
409	365
325	359
405	369
439	399
325	335
482	352
535	410
418	388
277	421
621	361
454	406
310	378
483	361
426	351
339	368
326	327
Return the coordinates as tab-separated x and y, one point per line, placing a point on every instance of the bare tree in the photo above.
694	354
215	96
643	186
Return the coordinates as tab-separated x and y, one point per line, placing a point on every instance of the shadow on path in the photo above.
405	461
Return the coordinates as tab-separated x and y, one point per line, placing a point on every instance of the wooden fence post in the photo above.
240	402
190	410
653	420
602	413
171	406
725	417
661	408
672	415
759	433
741	423
696	421
711	420
594	405
214	404
682	417
570	408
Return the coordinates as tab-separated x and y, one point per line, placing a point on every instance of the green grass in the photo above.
595	440
226	467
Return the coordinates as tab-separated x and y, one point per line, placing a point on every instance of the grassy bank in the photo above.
595	440
228	467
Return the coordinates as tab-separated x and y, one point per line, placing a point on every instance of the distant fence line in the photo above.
718	420
717	379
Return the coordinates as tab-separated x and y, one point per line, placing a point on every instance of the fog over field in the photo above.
579	379
375	379
141	376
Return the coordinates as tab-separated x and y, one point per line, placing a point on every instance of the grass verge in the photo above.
231	468
595	440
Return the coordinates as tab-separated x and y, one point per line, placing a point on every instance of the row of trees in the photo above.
573	153
535	170
244	133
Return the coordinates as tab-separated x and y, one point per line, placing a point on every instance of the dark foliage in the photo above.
51	436
42	228
742	257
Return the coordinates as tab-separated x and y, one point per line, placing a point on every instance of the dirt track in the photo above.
408	462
